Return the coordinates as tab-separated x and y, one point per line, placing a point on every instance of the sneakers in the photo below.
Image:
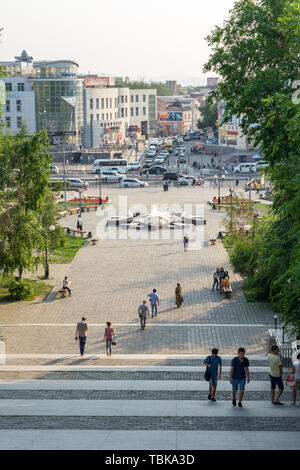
278	403
209	396
234	402
213	399
240	404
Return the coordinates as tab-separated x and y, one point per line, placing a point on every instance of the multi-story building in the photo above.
230	133
19	105
143	110
174	115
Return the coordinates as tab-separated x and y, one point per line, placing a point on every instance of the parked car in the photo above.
186	180
182	158
154	170
78	183
133	166
172	176
111	177
133	183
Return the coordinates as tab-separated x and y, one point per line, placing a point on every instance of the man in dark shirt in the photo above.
239	370
81	329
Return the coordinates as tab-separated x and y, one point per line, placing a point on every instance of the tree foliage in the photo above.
257	54
209	116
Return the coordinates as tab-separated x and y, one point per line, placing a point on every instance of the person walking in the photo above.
295	370
275	374
185	242
143	311
216	279
81	329
66	285
108	336
154	300
236	182
178	295
238	371
214	363
79	223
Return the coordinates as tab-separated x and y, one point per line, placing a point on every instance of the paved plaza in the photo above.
153	386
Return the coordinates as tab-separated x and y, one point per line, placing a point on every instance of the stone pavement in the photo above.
153	384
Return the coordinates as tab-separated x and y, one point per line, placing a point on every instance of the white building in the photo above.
18	105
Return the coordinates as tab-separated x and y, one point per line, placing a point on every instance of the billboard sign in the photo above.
170	116
99	81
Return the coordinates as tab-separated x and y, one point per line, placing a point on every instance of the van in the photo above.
260	165
245	168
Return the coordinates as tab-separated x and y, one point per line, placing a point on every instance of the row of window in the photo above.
20	86
18	104
19	121
108	101
123	114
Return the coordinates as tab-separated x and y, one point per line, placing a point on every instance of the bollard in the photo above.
2	349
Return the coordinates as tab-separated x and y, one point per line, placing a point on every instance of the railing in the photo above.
288	348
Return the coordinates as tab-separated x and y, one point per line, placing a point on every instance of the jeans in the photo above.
143	321
68	289
108	345
154	309
82	341
216	283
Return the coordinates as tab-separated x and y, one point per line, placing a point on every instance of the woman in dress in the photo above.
178	295
108	336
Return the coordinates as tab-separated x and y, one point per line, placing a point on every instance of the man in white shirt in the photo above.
79	223
154	299
66	285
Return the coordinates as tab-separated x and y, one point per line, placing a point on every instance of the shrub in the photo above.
20	289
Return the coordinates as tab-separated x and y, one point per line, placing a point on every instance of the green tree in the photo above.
209	116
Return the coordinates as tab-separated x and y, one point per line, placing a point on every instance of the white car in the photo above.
150	153
244	168
55	170
152	147
164	152
133	166
260	165
78	183
133	183
111	177
160	159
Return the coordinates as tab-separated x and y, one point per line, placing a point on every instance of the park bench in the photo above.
72	211
62	214
94	206
74	231
226	290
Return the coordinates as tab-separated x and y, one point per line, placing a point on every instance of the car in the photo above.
160	159
133	166
153	148
244	168
182	158
154	170
150	153
78	183
172	176
187	137
55	170
186	180
133	183
111	177
260	165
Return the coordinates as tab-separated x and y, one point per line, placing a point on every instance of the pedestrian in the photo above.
257	189
238	371
67	284
81	329
167	185
216	279
214	363
236	182
143	311
275	374
295	370
109	333
202	183
185	242
193	182
154	299
178	295
79	223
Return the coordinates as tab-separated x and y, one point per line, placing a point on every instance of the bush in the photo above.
20	289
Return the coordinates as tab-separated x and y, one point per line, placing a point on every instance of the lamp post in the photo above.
51	229
100	197
275	321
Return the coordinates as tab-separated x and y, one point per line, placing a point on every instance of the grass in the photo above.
71	205
65	254
254	294
40	290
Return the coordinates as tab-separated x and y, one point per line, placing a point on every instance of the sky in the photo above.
160	40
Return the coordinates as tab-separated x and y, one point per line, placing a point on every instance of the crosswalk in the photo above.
155	403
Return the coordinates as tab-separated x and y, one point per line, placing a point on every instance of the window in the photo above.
116	103
144	97
122	112
91	103
97	117
144	111
8	122
103	117
97	103
122	99
131	111
125	98
8	86
116	115
101	125
106	102
125	112
131	98
7	106
21	87
102	103
19	121
110	115
19	106
91	117
110	102
107	116
137	98
136	111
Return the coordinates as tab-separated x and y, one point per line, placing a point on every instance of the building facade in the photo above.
176	115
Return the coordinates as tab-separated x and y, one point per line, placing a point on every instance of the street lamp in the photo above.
51	229
275	321
100	197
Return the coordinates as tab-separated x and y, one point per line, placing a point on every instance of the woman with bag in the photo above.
108	336
178	295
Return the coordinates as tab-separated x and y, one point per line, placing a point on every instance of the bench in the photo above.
72	211
62	214
226	290
75	231
94	206
63	293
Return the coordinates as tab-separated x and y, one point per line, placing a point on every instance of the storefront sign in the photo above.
232	133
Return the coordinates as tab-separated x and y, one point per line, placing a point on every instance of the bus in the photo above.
115	164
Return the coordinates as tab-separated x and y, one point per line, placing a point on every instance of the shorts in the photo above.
276	381
297	385
213	381
238	383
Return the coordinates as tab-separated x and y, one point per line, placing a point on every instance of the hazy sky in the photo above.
154	39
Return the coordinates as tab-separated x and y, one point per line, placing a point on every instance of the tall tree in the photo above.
209	116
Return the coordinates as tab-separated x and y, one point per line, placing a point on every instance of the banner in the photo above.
99	81
170	116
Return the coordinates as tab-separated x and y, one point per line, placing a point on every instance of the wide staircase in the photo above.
137	402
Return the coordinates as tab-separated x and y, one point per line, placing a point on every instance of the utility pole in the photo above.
65	184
